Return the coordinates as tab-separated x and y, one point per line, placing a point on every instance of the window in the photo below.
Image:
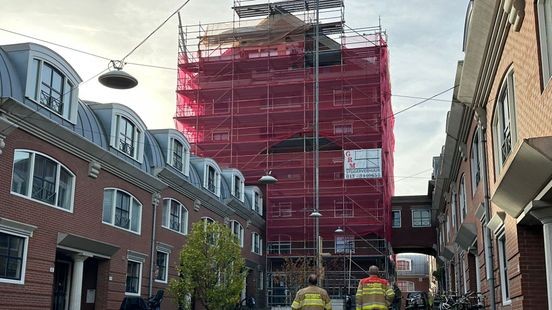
283	209
122	210
504	133
281	245
221	136
406	286
127	137
43	179
396	218
544	8
179	156
133	277
238	231
344	244
475	166
207	220
53	90
257	202
404	264
237	188
462	199
343	208
212	180
343	129
162	264
256	243
503	264
13	255
453	207
175	216
421	218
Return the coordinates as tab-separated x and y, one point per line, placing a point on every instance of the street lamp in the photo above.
117	78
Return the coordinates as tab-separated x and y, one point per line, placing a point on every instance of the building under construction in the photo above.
246	98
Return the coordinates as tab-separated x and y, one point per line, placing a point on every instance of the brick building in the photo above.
492	189
93	205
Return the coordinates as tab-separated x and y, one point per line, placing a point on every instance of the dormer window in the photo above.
212	180
257	202
52	89
237	188
127	137
179	156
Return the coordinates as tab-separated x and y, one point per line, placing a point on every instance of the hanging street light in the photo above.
117	79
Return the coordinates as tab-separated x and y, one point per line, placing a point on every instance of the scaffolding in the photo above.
245	98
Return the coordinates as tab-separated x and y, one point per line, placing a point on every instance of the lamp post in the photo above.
316	213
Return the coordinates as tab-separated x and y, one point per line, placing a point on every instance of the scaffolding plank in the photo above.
290	6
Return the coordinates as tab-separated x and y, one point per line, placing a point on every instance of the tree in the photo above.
212	271
296	272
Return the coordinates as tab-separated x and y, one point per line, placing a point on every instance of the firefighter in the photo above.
312	297
374	293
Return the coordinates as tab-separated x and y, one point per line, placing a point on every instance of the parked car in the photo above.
417	300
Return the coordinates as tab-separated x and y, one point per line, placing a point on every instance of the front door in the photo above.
61	285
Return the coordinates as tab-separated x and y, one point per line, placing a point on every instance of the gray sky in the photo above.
425	42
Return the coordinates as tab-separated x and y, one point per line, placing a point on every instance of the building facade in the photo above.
93	205
492	190
246	97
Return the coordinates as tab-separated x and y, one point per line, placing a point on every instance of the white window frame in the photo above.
344	208
475	165
131	212
241	186
141	264
257	201
453	210
544	11
30	181
24	258
166	274
462	199
240	234
393	212
185	156
503	266
256	242
283	209
69	97
421	222
408	260
183	212
507	90
275	247
216	181
345	244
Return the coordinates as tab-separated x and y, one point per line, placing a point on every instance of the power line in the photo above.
53	43
416	97
155	30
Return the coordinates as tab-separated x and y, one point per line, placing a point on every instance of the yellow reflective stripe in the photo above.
373	307
295	305
310	300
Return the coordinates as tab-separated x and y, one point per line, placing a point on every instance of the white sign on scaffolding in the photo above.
362	164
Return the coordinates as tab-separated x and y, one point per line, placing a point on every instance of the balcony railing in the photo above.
51	102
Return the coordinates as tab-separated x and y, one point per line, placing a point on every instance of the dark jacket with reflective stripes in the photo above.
374	293
312	298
